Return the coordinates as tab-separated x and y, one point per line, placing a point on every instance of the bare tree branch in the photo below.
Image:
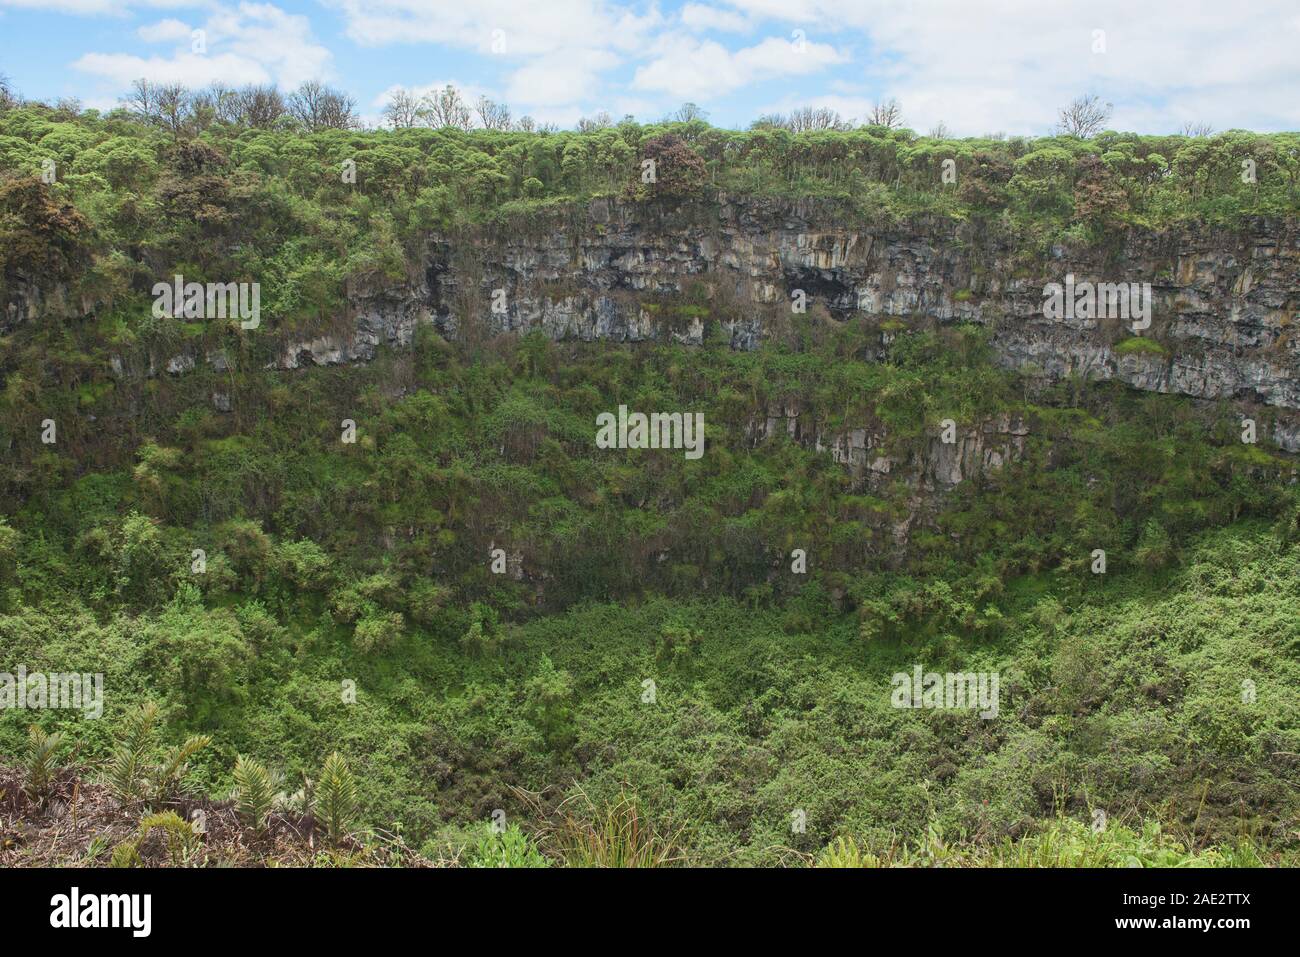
886	113
1084	117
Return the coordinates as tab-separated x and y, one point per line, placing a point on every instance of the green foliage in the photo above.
844	852
9	544
40	761
183	845
336	798
1139	345
1059	843
370	562
549	696
140	770
255	792
127	772
505	848
613	835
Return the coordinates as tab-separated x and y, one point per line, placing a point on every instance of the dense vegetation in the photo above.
279	205
327	563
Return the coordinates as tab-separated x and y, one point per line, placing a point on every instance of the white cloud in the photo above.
188	69
557	52
97	7
528	28
253	43
687	67
1010	67
699	16
978	67
165	30
559	78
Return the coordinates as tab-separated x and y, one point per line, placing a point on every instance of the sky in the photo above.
977	67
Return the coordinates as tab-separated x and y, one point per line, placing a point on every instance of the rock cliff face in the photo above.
934	466
1223	304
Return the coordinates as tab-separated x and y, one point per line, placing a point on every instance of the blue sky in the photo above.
979	67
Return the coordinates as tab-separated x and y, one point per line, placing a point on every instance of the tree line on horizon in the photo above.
314	106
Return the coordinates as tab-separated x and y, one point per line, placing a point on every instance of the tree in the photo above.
67	108
403	109
803	120
1099	195
886	113
143	100
549	695
1191	128
194	188
679	171
689	113
42	235
319	107
173	106
447	110
1085	116
260	106
8	99
601	121
493	115
224	102
984	180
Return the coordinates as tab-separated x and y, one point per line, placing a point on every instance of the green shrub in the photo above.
1138	346
505	848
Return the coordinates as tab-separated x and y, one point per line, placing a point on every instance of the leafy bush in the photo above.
509	847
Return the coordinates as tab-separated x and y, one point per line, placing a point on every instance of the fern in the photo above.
304	799
127	773
254	793
132	774
126	854
124	777
183	844
173	773
41	761
336	796
845	852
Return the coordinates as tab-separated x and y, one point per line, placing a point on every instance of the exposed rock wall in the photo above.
1224	302
1224	308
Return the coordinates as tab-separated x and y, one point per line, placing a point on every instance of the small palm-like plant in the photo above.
134	776
41	761
183	844
304	799
172	778
127	772
845	852
336	797
254	793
